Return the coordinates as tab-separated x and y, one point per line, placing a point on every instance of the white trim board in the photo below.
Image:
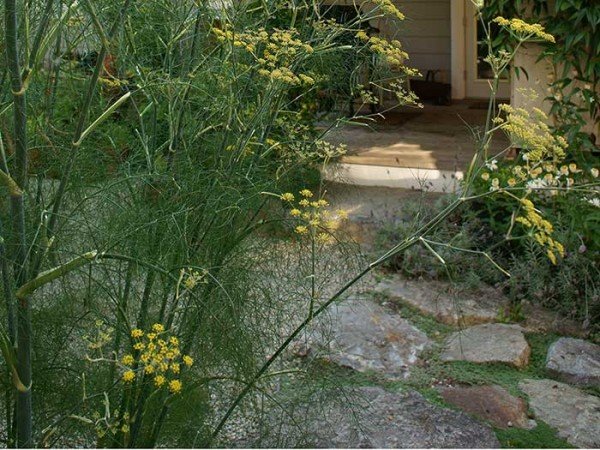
433	180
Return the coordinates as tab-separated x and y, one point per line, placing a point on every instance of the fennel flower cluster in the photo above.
103	336
312	216
532	134
327	150
388	8
367	97
524	31
276	52
543	154
391	51
545	178
156	355
542	230
328	27
194	277
110	423
543	169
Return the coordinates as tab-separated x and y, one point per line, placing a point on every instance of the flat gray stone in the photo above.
488	343
442	301
367	337
372	417
575	414
575	361
493	404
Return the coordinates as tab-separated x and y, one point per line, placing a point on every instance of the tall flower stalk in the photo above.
19	244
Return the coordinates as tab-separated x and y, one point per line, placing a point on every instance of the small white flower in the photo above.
538	183
493	165
495	184
594	172
594	201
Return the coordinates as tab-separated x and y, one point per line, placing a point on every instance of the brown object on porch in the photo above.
430	89
435	137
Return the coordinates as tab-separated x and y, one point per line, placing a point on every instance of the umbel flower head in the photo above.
275	52
312	216
530	132
157	356
389	8
542	230
524	31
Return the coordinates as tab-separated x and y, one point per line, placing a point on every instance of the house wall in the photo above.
425	35
540	74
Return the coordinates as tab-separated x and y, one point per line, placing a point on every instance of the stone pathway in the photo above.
441	300
372	338
575	361
573	413
488	343
493	404
373	417
366	337
450	305
387	342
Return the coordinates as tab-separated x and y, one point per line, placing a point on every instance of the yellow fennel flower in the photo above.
129	376
287	197
551	256
175	386
342	214
188	360
389	8
306	193
524	30
159	380
324	238
137	333
158	328
301	229
128	360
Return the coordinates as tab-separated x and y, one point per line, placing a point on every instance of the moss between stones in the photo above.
542	436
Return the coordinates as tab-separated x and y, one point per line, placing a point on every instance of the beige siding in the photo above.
425	34
540	75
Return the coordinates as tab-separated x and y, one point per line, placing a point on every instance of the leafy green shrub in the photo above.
462	230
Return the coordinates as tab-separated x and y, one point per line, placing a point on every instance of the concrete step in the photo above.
430	180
